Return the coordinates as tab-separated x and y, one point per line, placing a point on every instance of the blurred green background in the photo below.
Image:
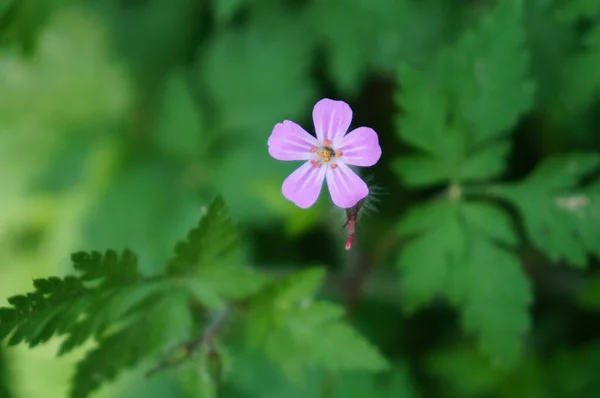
121	119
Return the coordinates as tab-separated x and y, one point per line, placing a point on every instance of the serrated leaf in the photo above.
579	93
247	82
297	332
427	260
455	253
494	223
473	93
214	240
425	108
494	296
406	30
339	347
491	64
144	337
487	163
560	219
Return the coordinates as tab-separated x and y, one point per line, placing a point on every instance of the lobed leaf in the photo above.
457	108
457	252
214	239
297	332
560	218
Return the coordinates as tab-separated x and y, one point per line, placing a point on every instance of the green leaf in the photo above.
179	126
216	284
145	337
406	30
487	163
225	9
492	222
428	259
580	93
396	384
425	108
215	239
247	82
494	296
144	207
456	253
571	10
489	81
456	108
57	306
561	219
297	332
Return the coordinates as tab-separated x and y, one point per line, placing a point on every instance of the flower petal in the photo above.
360	147
289	141
332	119
303	186
345	186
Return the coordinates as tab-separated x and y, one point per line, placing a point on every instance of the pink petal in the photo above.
303	186
345	187
332	119
360	147
289	141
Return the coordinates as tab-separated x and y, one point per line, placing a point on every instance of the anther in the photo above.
315	163
338	154
314	149
326	143
333	166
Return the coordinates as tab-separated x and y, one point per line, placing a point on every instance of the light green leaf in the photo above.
179	126
297	332
247	82
561	220
144	207
214	241
214	285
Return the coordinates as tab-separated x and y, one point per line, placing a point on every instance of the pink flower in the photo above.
327	156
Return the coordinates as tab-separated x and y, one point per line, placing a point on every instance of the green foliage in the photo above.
132	317
397	384
468	98
296	331
560	219
493	297
120	119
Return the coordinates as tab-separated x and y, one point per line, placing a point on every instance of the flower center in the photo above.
325	154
